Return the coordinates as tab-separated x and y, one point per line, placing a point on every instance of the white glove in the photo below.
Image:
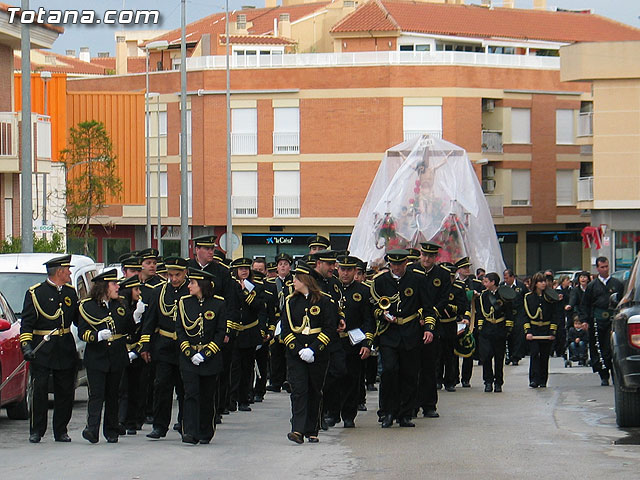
104	334
132	356
137	313
306	354
197	359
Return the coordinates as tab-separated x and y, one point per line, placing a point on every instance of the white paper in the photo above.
278	329
249	286
356	336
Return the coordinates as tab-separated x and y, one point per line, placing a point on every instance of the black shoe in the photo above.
330	421
372	388
313	439
89	435
323	424
488	388
362	407
515	363
387	421
186	438
273	388
218	420
34	438
204	441
176	427
533	385
131	431
406	422
544	385
450	388
466	384
112	439
439	386
604	382
430	413
148	420
225	411
65	438
258	398
349	424
122	430
507	361
498	388
156	434
244	408
287	387
232	408
296	437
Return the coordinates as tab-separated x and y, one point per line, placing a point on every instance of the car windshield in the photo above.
15	285
632	293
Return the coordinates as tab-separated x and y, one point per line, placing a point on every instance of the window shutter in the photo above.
520	125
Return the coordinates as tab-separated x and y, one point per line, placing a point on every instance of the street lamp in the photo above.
45	76
158	45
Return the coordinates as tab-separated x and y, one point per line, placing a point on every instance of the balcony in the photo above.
8	135
244	144
585	124
244	206
286	143
411	134
496	204
585	189
491	141
286	206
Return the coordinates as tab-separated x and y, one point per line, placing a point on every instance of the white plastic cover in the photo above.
426	190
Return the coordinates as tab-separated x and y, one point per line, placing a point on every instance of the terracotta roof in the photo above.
256	40
134	64
64	64
481	22
56	28
261	18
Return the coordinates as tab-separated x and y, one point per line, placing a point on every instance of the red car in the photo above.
14	395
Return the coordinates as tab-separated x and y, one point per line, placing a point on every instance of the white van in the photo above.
19	271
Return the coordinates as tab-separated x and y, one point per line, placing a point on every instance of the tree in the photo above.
40	244
91	174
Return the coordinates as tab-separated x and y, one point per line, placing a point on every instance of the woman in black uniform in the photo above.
307	321
543	316
104	323
201	327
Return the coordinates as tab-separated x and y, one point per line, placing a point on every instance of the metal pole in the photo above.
148	177
228	246
26	207
184	193
159	227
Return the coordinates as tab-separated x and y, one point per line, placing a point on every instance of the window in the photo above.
406	48
419	119
520	187
164	179
162	123
43	133
286	193
423	48
112	248
564	127
244	194
564	187
244	131
286	130
520	125
8	217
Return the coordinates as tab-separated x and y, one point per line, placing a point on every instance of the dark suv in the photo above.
625	348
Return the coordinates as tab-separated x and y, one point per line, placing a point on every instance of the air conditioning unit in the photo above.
488	185
491	171
488	104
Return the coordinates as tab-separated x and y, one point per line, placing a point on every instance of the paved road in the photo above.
566	431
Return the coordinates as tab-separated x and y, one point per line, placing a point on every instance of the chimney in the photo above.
271	3
539	4
241	24
103	54
85	56
70	53
284	29
121	56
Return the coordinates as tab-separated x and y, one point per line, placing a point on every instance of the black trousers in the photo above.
446	372
103	390
516	341
242	366
224	379
130	398
371	369
560	343
306	380
262	361
278	365
145	404
63	393
336	372
199	405
467	369
600	349
348	392
539	361
399	381
167	379
427	391
492	348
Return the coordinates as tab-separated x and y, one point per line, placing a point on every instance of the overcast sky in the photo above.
100	38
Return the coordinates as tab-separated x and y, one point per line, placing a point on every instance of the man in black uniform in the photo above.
405	322
474	288
516	343
49	310
130	264
317	243
596	312
160	343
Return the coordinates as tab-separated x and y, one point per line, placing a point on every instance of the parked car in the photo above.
625	349
570	273
14	396
622	275
19	271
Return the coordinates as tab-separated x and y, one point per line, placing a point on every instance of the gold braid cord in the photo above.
305	319
39	309
189	324
538	313
96	322
165	309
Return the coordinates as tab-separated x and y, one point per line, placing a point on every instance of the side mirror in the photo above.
4	325
613	301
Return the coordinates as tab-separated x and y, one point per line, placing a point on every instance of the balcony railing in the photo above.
491	141
244	206
585	124
286	142
411	134
585	189
286	206
244	144
496	204
8	134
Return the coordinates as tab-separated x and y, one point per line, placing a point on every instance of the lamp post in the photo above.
159	45
45	76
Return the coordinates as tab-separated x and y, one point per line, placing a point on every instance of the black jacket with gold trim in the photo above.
542	315
201	326
278	290
494	316
595	302
459	306
305	324
437	288
331	286
46	307
108	355
358	313
253	315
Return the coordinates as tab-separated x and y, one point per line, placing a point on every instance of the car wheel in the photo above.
22	409
627	404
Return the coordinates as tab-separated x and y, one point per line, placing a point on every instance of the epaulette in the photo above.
327	295
152	286
271	280
33	287
458	285
185	296
259	282
291	295
289	283
219	297
85	300
68	285
377	275
268	292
